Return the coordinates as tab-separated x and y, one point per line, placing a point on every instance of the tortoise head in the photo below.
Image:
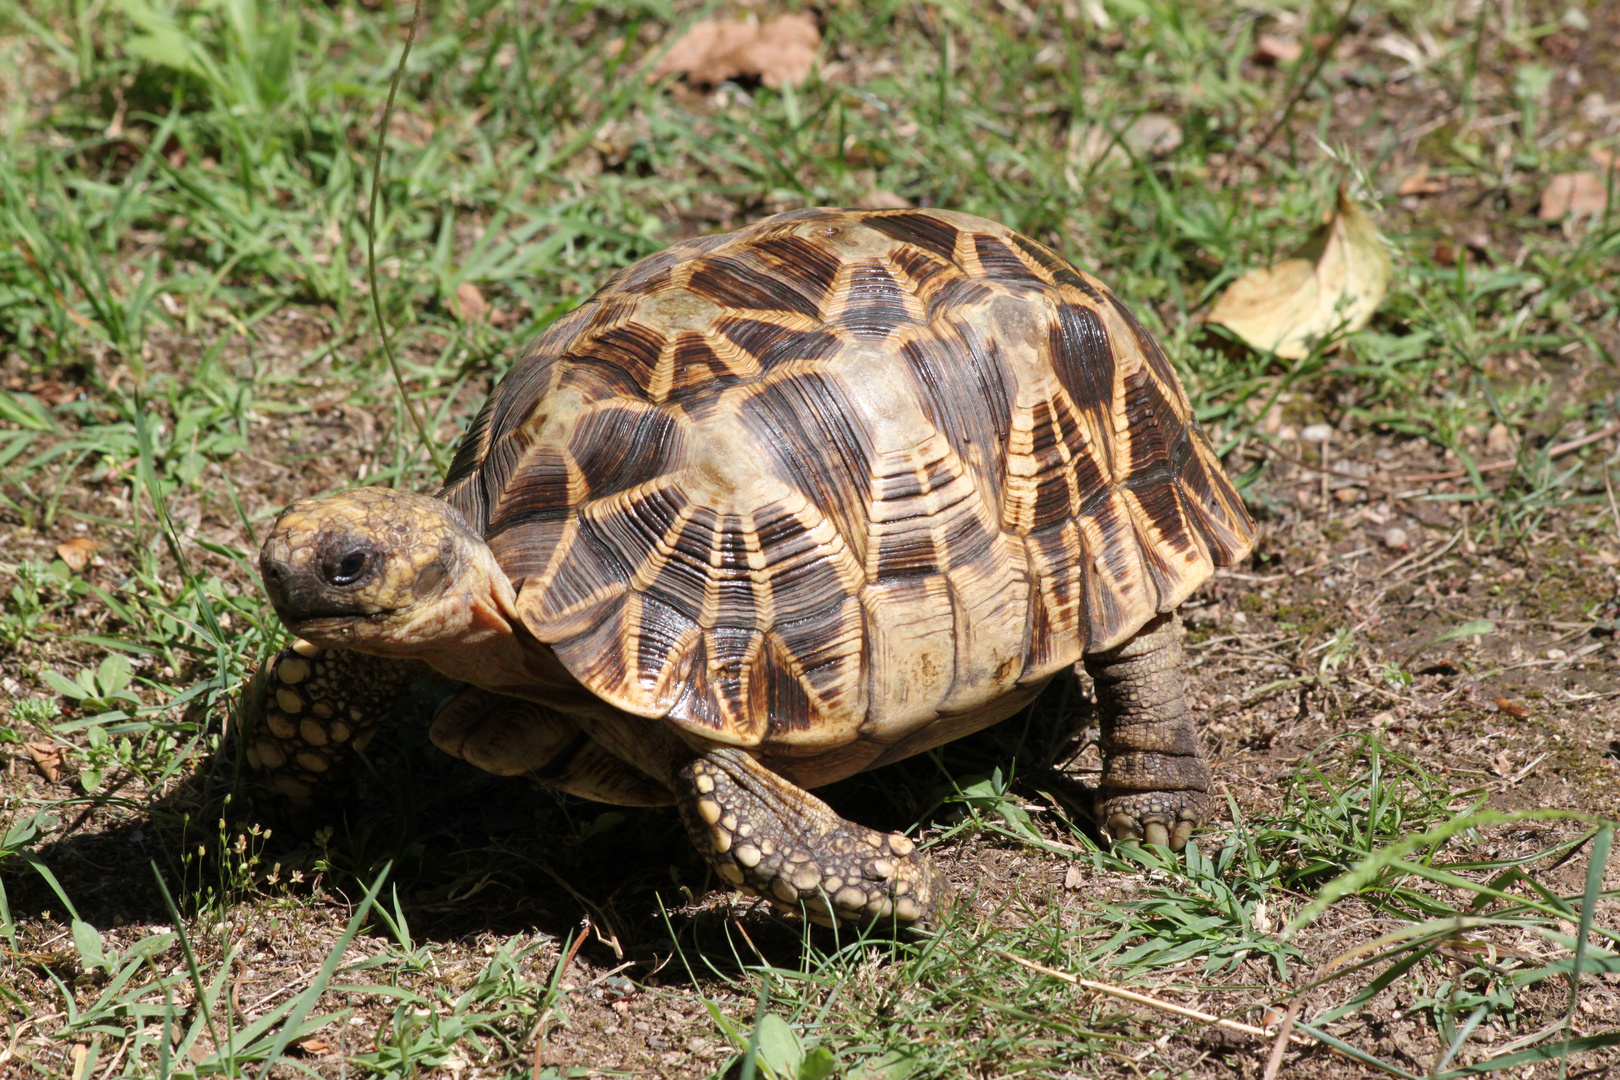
384	572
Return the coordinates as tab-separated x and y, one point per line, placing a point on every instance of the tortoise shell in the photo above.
843	475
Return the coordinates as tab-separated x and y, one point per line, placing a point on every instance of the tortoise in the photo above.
770	509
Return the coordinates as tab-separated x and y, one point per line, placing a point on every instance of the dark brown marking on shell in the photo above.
1046	642
463	488
592	647
958	295
731	282
723	691
804	265
1159	442
909	553
875	303
634	529
820	641
772	344
1211	501
667	645
966	539
1059	447
954	364
1057	557
1083	359
801	578
608	311
698	368
920	267
812	431
535	496
1061	270
681	583
620	448
632	348
1114	559
787	706
924	230
588	579
648	274
999	263
1166	549
1155	359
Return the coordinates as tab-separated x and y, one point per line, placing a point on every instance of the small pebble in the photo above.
1395	538
1316	433
1556	654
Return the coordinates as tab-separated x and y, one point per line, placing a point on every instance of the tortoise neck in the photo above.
490	647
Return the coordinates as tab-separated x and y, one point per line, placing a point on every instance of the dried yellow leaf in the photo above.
1331	285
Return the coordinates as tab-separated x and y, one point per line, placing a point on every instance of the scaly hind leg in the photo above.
1155	783
512	737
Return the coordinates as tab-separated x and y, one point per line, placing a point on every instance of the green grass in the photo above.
184	300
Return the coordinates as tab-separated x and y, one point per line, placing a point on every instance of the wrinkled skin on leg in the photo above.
769	838
1155	783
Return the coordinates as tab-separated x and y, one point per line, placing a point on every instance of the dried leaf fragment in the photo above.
1276	49
1513	709
47	759
315	1045
886	200
1422	182
76	552
469	304
779	52
1331	285
1573	193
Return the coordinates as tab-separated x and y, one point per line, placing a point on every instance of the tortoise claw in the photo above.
1159	822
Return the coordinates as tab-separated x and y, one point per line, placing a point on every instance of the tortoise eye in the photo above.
343	568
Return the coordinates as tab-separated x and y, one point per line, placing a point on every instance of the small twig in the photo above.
1140	999
1425	557
1614	511
1274	1062
1517	777
556	978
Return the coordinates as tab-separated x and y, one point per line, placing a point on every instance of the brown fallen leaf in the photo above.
1332	284
779	52
1518	712
1422	182
315	1045
76	552
47	759
469	304
1573	193
1276	49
